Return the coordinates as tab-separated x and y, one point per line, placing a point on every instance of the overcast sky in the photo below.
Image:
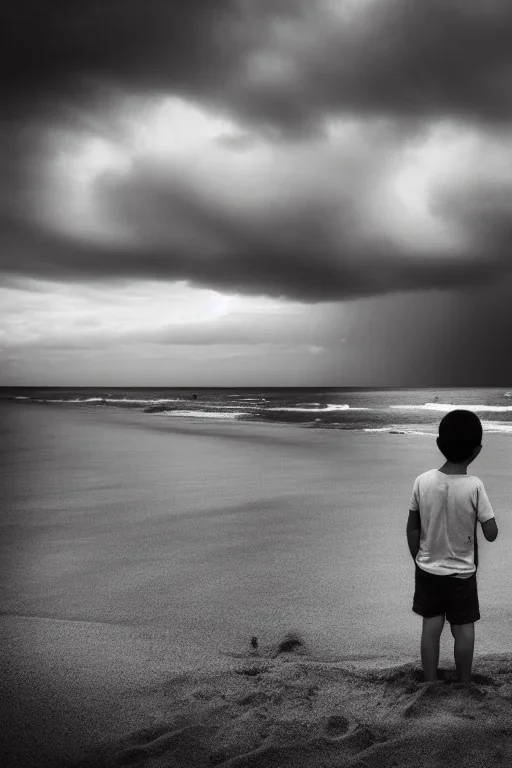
256	192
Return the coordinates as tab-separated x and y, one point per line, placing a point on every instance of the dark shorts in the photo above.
436	595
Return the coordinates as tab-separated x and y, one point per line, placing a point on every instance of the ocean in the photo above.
401	411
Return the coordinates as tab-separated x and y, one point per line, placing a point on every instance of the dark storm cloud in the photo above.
63	50
424	58
483	207
428	57
283	260
279	65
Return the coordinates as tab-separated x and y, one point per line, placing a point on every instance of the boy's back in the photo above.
450	506
444	508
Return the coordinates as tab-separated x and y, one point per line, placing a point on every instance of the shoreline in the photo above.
412	429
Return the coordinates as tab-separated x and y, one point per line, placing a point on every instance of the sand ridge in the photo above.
280	708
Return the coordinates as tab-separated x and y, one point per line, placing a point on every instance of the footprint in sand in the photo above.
184	746
428	699
336	726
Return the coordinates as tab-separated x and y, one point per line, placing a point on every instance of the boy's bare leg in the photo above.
430	636
464	635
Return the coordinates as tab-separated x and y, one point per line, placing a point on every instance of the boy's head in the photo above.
460	433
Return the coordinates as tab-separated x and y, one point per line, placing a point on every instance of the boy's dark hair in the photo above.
460	432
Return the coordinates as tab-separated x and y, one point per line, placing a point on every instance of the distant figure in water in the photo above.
195	397
446	554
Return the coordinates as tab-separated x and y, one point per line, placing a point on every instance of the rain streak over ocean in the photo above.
408	411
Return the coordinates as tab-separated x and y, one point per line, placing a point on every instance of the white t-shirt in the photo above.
449	507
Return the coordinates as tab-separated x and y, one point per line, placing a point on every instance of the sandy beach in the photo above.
142	553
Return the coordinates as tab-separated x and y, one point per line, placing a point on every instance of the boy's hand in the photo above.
414	532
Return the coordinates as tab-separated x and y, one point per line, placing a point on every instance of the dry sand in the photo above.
281	709
141	555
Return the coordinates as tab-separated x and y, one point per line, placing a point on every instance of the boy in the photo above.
445	506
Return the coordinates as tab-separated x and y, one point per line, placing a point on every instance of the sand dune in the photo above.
281	708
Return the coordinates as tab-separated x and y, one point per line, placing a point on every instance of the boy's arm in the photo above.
413	532
475	544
